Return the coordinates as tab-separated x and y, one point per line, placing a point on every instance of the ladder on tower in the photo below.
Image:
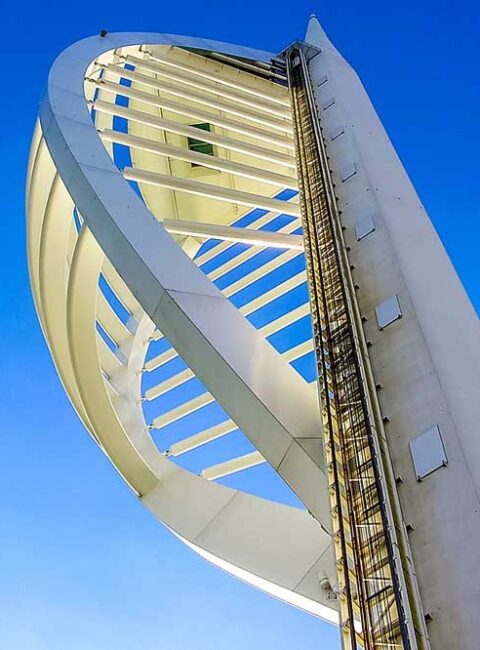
378	606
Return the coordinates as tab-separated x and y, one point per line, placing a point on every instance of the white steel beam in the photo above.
190	79
177	298
205	160
171	126
208	190
230	233
260	273
169	384
196	113
242	257
282	288
181	411
233	465
202	438
245	65
285	320
215	103
213	76
298	351
220	248
160	360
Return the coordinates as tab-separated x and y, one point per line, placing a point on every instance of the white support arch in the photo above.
283	550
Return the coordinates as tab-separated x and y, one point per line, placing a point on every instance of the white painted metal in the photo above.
221	105
207	189
197	71
428	363
190	79
196	113
177	127
160	287
230	233
202	438
205	160
234	465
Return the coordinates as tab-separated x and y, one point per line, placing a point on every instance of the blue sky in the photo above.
83	565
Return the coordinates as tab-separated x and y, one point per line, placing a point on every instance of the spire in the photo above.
315	33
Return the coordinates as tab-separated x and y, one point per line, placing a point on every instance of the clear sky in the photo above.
83	566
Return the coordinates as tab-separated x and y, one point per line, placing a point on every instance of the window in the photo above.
200	146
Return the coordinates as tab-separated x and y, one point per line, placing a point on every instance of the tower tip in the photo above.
315	32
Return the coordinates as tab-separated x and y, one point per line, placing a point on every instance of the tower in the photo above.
213	231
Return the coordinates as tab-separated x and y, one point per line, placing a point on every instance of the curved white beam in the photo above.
181	301
282	550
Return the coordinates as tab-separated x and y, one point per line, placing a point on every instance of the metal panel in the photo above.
328	103
428	452
364	227
337	132
388	312
348	171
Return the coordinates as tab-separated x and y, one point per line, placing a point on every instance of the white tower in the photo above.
182	195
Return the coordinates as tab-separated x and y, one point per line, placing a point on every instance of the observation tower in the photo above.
255	320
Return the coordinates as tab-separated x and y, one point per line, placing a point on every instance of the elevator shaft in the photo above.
375	595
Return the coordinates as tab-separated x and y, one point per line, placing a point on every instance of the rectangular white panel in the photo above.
348	171
329	102
388	312
364	227
428	452
337	132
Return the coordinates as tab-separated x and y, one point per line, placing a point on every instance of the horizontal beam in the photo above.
298	351
202	438
287	319
259	273
269	296
190	111
239	95
188	131
160	360
186	93
200	159
245	65
211	191
213	76
181	411
169	384
232	466
242	257
257	223
230	233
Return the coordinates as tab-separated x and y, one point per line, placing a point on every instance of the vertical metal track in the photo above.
374	601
